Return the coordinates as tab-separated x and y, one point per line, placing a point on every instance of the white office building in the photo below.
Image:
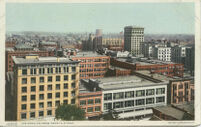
131	96
162	53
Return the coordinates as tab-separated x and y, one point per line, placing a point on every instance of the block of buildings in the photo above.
92	64
43	83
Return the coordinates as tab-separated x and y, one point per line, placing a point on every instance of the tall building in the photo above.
133	37
43	83
98	32
178	54
190	59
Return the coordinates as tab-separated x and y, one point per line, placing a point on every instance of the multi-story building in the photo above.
133	36
178	54
147	49
162	53
43	83
115	44
130	96
90	101
88	45
190	59
92	64
169	69
180	90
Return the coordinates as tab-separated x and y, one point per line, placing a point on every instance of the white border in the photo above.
105	123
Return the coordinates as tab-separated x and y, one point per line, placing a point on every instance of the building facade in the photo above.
178	54
92	65
162	53
43	83
133	36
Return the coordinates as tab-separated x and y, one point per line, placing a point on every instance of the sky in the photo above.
156	18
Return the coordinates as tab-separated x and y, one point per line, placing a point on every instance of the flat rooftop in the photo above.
42	60
123	82
171	111
88	54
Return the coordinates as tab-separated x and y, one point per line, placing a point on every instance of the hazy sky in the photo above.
172	18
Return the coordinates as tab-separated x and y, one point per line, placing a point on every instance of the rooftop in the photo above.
88	54
48	43
134	27
23	46
42	60
122	82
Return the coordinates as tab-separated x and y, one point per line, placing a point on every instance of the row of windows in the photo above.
130	103
49	79
90	101
49	87
130	94
49	96
33	114
49	70
92	109
49	104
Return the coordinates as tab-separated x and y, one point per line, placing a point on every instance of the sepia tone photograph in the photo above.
92	62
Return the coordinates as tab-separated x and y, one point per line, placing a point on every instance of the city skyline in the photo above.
111	18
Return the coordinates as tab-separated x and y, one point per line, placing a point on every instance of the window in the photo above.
57	78
97	109
108	96
118	105
49	95
24	89
49	112
90	109
150	92
150	101
129	103
140	93
57	86
73	77
139	102
73	93
23	106
33	88
58	69
41	88
41	113
186	85
23	115
57	103
49	87
82	102
49	104
160	91
65	77
49	70
72	85
73	69
41	96
97	100
33	80
24	80
65	85
33	71
32	106
160	99
107	106
72	101
129	94
180	86
65	94
49	78
65	101
24	98
65	69
41	70
24	71
33	97
32	114
42	79
57	95
181	94
90	102
41	105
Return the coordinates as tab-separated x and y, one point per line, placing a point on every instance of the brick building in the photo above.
92	65
166	68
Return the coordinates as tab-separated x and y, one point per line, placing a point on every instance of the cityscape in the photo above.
126	74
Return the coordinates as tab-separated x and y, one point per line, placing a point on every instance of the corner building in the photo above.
43	83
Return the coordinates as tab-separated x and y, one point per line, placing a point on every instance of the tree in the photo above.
69	112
